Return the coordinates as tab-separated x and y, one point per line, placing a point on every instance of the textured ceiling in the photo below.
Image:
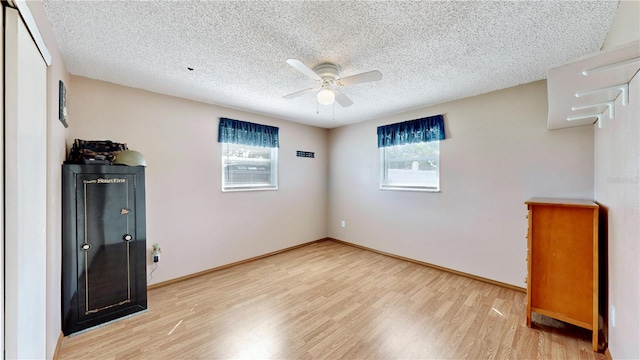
428	52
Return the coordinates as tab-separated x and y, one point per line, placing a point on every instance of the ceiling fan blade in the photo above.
342	99
299	93
303	69
369	76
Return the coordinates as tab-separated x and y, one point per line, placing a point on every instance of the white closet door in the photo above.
25	193
2	186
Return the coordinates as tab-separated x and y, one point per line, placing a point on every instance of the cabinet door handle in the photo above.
127	237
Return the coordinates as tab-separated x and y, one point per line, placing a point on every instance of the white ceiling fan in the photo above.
329	78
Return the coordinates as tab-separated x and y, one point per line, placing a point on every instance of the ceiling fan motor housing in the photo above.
327	71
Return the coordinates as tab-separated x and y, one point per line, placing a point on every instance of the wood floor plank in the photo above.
329	300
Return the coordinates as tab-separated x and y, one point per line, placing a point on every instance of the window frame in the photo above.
394	187
249	187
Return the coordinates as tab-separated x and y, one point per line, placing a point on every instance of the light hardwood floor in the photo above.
329	300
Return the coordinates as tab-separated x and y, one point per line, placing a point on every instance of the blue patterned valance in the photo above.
246	133
413	131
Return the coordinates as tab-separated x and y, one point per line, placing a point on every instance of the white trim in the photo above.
410	188
25	12
237	189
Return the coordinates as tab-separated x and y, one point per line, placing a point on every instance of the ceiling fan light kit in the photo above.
326	96
328	77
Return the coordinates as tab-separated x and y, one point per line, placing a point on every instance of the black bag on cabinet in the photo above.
94	151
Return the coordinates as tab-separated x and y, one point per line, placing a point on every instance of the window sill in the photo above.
410	188
254	188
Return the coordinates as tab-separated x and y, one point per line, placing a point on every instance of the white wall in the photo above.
198	226
617	189
498	153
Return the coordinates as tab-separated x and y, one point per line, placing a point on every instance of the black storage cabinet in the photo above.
103	244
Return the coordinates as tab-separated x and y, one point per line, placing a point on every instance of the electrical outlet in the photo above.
343	223
613	316
156	251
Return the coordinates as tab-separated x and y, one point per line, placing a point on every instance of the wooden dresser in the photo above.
562	280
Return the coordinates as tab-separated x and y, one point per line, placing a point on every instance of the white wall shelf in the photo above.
587	90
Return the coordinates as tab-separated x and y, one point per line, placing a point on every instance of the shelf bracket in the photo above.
587	116
623	88
611	105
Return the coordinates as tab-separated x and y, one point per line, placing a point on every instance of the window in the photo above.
249	155
410	166
247	167
410	154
